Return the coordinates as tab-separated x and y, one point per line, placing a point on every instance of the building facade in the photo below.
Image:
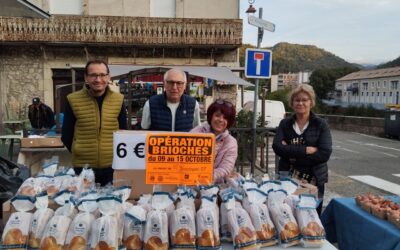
289	80
39	55
377	87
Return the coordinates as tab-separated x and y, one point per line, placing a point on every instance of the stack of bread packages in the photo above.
156	229
254	204
78	236
207	219
183	220
16	232
56	229
134	226
312	231
40	219
283	218
104	234
123	192
239	222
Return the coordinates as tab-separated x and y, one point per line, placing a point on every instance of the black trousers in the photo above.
321	191
102	175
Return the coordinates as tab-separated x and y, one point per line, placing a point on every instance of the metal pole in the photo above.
254	128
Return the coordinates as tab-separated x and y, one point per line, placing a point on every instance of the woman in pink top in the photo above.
220	117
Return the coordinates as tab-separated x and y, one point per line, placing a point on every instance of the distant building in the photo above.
375	87
289	80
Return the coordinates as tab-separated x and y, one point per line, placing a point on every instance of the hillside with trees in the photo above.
394	63
288	57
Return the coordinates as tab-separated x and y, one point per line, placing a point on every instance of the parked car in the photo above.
274	112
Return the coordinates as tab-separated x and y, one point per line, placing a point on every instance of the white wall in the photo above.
162	8
69	7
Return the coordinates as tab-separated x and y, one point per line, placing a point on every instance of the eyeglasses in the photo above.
94	75
222	102
301	100
179	84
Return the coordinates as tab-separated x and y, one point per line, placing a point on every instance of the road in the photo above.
361	163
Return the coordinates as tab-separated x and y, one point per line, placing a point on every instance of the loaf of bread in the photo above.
133	242
50	243
155	243
245	235
290	230
208	239
77	243
14	237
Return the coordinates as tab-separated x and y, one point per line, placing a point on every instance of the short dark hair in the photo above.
226	108
96	61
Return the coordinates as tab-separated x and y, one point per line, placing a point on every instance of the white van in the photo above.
274	112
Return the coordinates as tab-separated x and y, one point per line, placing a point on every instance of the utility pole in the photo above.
258	65
254	128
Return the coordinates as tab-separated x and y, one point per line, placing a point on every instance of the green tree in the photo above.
323	80
280	95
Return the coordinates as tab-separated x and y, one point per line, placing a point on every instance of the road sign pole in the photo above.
254	128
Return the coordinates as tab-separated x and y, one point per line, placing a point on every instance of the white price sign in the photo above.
129	150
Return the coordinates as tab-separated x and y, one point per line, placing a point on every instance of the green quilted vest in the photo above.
93	134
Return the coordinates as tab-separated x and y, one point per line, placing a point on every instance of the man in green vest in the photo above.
91	116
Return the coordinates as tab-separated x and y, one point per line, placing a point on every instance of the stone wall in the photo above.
21	79
364	125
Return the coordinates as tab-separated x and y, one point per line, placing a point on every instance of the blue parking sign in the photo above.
258	63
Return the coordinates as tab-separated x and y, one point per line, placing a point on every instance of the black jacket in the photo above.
41	116
317	134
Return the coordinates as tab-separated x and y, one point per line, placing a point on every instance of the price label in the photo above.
179	158
129	150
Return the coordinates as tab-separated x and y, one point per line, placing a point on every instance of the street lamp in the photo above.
251	9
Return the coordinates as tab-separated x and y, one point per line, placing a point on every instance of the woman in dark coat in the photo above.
303	141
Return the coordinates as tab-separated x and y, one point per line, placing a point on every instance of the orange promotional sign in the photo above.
179	158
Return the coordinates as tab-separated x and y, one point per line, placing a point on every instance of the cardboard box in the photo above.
136	179
48	142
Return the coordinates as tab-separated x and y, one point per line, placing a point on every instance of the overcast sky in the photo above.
359	31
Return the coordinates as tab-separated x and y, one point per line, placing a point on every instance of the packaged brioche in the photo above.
186	198
234	180
16	231
283	218
292	200
55	233
207	220
28	187
104	234
225	231
145	201
312	231
182	221
80	227
242	229
50	167
122	190
40	219
268	185
56	229
88	179
253	203
289	185
133	233
156	230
